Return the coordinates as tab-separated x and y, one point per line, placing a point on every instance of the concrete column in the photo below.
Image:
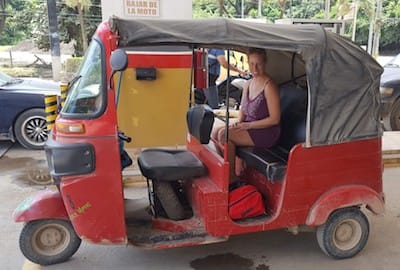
54	39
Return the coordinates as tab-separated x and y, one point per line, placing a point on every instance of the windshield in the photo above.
395	62
85	95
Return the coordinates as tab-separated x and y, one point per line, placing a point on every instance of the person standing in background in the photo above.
216	59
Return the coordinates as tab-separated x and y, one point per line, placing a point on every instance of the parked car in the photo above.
390	94
22	113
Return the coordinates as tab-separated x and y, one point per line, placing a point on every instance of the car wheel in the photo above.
344	234
30	129
48	241
395	116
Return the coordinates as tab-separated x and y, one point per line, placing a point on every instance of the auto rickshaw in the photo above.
324	173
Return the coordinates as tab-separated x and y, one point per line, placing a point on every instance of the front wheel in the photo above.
344	234
48	241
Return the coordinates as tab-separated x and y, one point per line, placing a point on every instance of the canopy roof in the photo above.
343	80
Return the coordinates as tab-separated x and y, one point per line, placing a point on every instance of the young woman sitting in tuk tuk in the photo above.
259	115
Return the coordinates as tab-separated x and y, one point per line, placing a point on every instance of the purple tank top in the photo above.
257	109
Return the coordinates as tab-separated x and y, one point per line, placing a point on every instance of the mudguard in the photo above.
42	205
347	196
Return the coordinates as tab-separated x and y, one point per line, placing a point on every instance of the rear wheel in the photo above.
344	234
48	241
30	129
169	200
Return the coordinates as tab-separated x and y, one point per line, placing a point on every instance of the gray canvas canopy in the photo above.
343	80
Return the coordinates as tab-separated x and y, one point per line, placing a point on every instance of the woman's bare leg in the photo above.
237	137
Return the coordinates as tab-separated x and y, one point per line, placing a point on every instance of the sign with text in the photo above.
142	8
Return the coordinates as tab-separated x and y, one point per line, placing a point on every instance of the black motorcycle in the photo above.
216	96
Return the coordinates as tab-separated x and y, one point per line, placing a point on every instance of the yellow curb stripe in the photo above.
51	103
28	265
51	108
49	99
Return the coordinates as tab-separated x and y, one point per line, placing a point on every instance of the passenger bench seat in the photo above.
272	162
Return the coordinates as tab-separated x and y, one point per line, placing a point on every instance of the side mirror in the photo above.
118	60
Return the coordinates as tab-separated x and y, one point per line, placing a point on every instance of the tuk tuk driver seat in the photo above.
173	165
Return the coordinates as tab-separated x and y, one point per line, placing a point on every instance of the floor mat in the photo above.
4	147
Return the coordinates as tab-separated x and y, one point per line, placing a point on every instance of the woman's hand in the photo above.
241	125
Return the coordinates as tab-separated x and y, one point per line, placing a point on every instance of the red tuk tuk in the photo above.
325	171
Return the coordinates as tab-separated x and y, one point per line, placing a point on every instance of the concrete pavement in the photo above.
269	250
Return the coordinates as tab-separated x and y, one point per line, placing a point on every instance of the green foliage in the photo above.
205	8
18	22
68	25
29	20
311	9
72	64
305	9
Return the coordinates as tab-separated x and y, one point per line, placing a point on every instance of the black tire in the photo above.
30	129
344	234
394	117
169	200
48	241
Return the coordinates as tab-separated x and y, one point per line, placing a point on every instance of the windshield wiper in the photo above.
74	80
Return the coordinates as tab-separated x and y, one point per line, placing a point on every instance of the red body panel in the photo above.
94	202
343	197
46	204
311	173
159	60
200	69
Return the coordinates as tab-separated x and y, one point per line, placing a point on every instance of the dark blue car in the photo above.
22	114
390	94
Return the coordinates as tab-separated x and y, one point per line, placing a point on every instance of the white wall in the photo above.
160	9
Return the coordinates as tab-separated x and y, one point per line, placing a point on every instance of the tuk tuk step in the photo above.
143	235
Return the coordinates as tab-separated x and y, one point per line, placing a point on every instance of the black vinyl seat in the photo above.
269	161
172	165
272	162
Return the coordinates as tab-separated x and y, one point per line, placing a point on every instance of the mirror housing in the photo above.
118	60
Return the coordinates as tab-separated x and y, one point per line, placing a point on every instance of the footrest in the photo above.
170	165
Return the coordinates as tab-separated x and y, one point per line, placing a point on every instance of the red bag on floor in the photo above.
245	202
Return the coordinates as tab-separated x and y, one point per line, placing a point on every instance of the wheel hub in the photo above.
35	130
347	235
51	237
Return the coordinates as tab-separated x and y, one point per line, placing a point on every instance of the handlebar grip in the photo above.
125	138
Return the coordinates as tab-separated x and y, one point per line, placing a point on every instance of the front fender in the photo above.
42	205
344	197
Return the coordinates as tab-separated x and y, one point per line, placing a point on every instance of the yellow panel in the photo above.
153	113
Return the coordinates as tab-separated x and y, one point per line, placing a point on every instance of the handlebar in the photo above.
123	137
